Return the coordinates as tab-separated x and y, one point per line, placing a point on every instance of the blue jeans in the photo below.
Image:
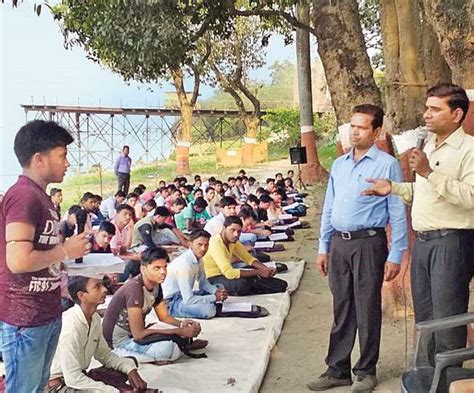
28	353
159	351
248	238
177	308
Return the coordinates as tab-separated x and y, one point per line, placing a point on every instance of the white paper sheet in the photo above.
267	244
95	264
236	307
278	236
292	206
284	216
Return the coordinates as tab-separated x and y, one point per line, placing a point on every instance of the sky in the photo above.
35	68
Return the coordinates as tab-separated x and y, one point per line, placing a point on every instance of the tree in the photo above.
453	24
231	61
147	42
312	171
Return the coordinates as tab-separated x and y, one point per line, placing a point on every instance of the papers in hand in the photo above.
285	227
285	216
270	265
278	236
236	307
292	206
269	244
94	264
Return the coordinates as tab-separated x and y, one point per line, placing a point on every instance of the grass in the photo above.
105	183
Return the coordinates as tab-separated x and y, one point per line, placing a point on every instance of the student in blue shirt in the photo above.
353	251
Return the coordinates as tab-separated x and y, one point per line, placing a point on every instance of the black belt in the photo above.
351	235
436	234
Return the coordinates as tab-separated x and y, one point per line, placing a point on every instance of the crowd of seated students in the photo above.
208	228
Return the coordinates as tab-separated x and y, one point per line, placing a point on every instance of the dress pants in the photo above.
440	276
356	270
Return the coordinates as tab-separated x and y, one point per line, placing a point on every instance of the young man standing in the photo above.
353	235
81	339
30	256
124	320
442	199
122	170
183	273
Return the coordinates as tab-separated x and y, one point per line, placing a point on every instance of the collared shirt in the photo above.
108	207
123	164
445	200
182	274
218	259
215	224
78	344
345	209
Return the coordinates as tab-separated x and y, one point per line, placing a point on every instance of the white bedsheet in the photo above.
238	351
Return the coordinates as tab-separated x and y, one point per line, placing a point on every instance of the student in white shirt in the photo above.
109	206
183	273
228	207
81	339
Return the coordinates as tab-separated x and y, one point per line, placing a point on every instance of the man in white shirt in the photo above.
183	273
109	206
81	339
228	207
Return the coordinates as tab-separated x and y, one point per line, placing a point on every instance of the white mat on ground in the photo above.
238	351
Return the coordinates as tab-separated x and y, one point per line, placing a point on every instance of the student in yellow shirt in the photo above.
238	282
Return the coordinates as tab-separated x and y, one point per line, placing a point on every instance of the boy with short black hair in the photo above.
30	256
124	320
183	273
56	195
81	339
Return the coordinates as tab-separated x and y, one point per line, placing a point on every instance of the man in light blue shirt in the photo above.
183	273
353	250
122	169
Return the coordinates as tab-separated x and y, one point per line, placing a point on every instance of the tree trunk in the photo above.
183	142
436	69
251	126
403	52
343	53
453	24
311	172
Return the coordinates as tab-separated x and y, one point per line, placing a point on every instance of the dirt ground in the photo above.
301	349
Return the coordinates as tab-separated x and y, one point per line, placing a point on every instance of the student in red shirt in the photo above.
30	256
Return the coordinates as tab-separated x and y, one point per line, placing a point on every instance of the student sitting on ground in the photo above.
124	320
109	206
183	273
228	207
122	240
212	201
238	282
149	207
194	216
160	197
250	233
81	339
153	231
67	227
97	217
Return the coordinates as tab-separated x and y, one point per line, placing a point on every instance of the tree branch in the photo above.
260	11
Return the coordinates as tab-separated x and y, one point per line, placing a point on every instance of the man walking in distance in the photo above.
30	255
122	170
442	200
353	251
